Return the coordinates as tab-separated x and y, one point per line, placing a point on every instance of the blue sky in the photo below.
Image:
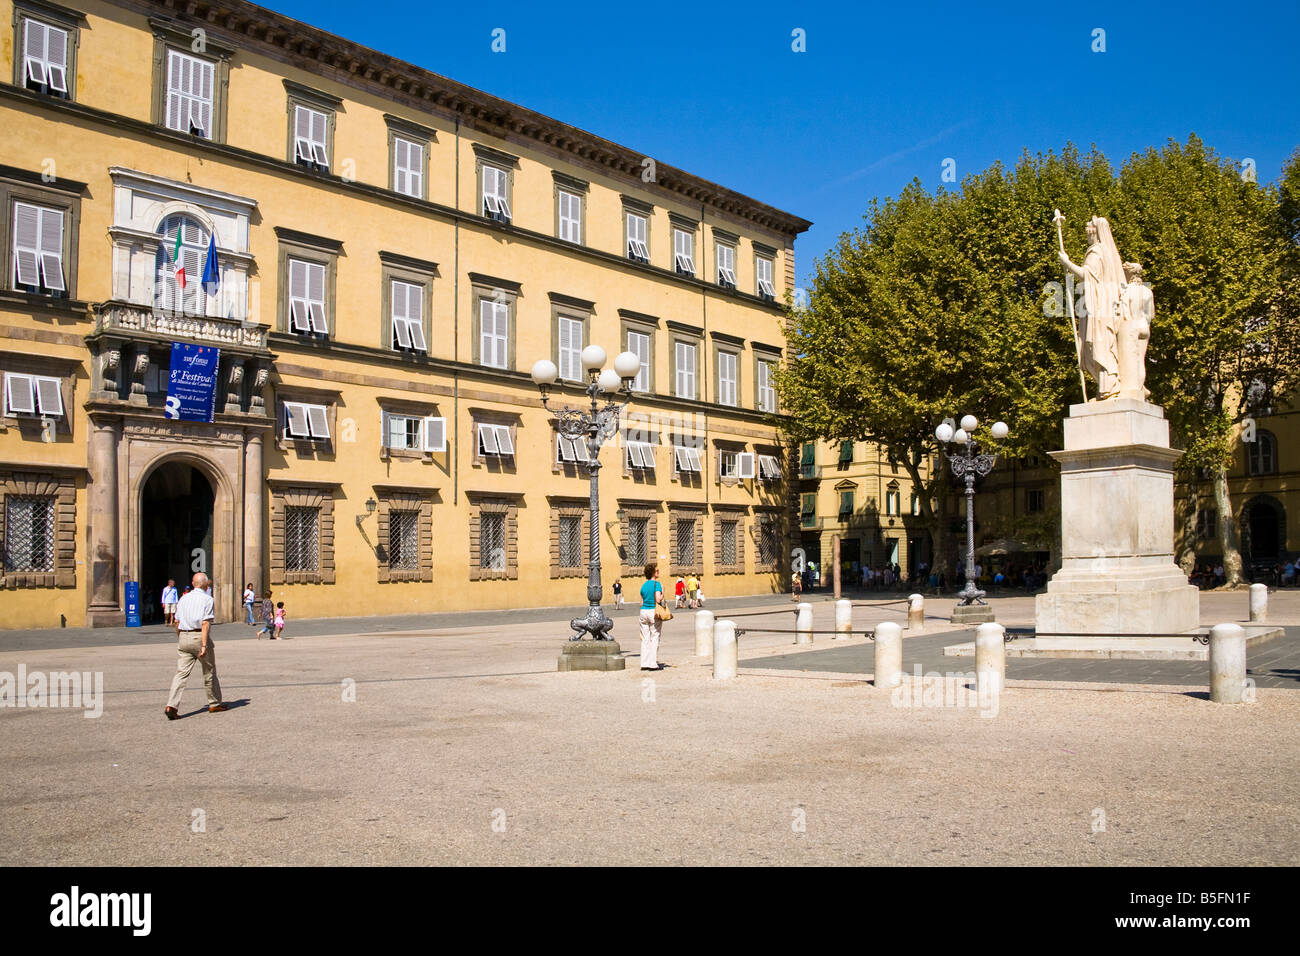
884	93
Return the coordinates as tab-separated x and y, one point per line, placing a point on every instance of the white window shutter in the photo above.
318	421
295	414
56	59
34	51
18	394
49	395
301	134
52	249
487	440
27	231
745	465
504	440
316	296
415	315
435	434
299	321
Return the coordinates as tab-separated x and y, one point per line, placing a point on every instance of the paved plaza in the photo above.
464	745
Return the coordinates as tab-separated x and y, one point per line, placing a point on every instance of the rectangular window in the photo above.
301	541
768	542
494	333
307	297
408	316
684	252
726	256
727	378
846	505
1207	523
1035	499
404	540
570	348
570	216
809	510
573	449
893	502
769	469
408	167
495	440
38	249
685	370
637	229
190	84
637	538
685	542
496	193
729	542
310	137
687	458
411	433
808	461
45	57
846	453
745	465
29	534
640	454
763	277
916	505
33	395
492	541
570	541
726	464
639	343
306	421
766	390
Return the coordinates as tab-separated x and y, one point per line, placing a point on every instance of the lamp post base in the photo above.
972	614
591	656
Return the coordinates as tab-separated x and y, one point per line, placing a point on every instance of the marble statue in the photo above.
1102	273
1137	308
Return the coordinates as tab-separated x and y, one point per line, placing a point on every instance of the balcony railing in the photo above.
132	317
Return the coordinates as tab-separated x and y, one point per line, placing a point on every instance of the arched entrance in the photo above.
176	531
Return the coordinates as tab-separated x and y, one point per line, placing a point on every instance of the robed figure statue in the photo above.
1102	273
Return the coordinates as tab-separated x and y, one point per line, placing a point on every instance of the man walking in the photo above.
194	617
169	599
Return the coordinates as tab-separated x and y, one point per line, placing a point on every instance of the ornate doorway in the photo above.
176	530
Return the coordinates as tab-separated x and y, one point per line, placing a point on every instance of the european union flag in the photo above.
211	275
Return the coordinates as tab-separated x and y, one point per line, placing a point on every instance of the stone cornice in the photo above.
246	26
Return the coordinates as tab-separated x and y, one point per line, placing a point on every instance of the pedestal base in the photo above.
964	614
1141	600
105	617
591	656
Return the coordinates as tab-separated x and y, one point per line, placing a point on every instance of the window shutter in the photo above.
295	414
56	58
318	421
26	243
202	110
487	440
415	169
194	296
34	51
298	317
745	465
415	315
301	134
18	393
52	249
504	440
49	394
316	295
174	90
400	160
435	434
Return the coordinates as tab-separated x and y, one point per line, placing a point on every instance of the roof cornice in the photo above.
248	26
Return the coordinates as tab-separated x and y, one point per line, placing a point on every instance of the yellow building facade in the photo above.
393	251
853	491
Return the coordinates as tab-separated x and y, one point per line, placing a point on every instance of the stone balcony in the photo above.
128	318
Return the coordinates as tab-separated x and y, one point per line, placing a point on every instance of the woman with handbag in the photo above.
654	611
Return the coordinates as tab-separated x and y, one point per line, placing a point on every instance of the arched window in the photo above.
169	295
1261	454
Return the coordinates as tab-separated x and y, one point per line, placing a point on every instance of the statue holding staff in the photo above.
1102	273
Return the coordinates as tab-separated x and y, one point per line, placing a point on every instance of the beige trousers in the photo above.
650	630
187	653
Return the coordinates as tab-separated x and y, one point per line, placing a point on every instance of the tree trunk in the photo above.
1229	538
1185	546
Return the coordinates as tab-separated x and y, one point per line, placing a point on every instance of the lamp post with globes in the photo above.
593	427
968	466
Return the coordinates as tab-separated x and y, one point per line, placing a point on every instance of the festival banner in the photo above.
192	385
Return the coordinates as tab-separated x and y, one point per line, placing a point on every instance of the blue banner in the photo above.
132	603
192	385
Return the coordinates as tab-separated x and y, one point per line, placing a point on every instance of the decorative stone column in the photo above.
139	369
254	509
234	381
105	600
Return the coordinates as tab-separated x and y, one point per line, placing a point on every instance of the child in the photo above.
279	621
618	593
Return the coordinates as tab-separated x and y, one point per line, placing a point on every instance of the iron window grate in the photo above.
404	540
301	541
29	533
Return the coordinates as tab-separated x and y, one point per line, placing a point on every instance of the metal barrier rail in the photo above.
781	610
1201	637
772	630
882	603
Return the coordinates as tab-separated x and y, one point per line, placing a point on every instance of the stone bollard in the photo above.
990	660
889	655
703	633
1227	664
843	619
724	650
1258	603
915	612
803	624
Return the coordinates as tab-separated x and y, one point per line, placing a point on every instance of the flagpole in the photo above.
1069	304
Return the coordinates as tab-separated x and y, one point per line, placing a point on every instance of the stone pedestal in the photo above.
591	656
1117	528
967	614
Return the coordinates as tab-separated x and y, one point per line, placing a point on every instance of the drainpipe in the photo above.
455	335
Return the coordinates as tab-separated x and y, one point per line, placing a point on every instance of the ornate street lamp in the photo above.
968	466
594	427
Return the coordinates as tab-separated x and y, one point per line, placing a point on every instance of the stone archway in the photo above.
1263	526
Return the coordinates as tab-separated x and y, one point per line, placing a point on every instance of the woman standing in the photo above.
652	596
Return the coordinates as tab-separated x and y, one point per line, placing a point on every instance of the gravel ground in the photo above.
466	746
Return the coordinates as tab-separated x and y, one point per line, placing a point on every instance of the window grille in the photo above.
686	542
301	530
570	541
492	541
728	542
404	540
29	533
637	535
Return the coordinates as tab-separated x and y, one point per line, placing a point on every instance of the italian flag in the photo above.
178	263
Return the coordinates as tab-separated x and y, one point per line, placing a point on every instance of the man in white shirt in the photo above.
194	616
169	599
